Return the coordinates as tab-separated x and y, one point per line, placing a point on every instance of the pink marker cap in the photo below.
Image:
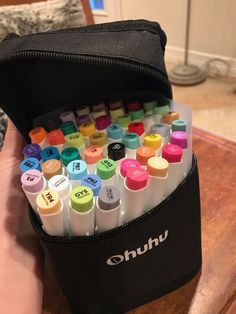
32	181
172	153
102	122
127	164
179	138
137	178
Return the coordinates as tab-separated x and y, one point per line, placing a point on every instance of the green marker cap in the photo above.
179	125
68	127
160	110
149	105
124	120
69	154
137	114
106	168
75	139
81	199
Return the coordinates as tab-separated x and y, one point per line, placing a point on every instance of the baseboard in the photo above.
176	55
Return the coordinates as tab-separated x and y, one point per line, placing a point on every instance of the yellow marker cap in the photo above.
170	116
75	139
48	202
98	139
51	168
81	198
87	129
157	166
152	140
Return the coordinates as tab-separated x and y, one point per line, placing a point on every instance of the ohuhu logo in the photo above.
127	255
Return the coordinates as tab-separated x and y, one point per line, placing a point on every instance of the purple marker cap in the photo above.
32	181
83	119
179	138
32	150
102	122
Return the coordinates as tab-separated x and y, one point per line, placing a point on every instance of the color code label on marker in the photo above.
108	197
81	198
106	168
48	202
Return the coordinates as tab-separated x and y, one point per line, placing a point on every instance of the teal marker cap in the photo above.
68	127
69	154
179	125
131	140
137	114
114	131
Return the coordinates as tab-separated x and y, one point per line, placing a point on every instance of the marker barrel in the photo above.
155	191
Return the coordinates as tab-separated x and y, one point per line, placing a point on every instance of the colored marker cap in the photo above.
60	184
30	163
135	105
116	113
50	152
116	151
87	129
93	154
179	138
160	128
76	170
98	139
108	197
172	153
32	181
102	122
82	110
179	125
137	178
116	104
69	154
170	116
67	116
131	140
99	107
149	105
152	140
160	110
68	127
96	114
124	120
114	131
32	150
51	168
52	124
38	135
128	164
56	137
143	153
75	139
81	198
137	114
48	202
136	127
157	166
85	118
93	182
106	168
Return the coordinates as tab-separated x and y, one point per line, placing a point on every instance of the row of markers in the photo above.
89	184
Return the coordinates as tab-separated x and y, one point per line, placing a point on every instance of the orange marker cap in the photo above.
48	202
51	168
143	153
170	116
157	166
93	154
38	135
56	137
87	129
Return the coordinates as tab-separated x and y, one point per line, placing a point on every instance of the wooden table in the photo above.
213	291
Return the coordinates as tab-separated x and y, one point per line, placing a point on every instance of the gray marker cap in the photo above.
108	197
160	128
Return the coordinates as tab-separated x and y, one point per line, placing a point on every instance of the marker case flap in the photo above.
157	252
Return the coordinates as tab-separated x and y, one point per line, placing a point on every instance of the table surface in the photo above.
213	290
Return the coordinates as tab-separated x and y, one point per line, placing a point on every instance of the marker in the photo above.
124	121
82	110
85	118
92	155
93	182
69	154
157	169
131	141
96	114
179	125
170	116
173	154
102	123
159	111
50	210
76	171
76	140
51	168
163	130
135	187
148	120
32	150
33	182
82	212
56	138
116	113
106	170
99	139
50	152
135	105
87	130
137	115
108	208
116	152
149	105
52	124
30	163
154	141
114	133
68	127
138	128
67	116
116	104
98	107
39	136
143	153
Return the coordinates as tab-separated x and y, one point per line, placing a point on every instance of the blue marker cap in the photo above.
77	170
114	131
131	140
93	182
30	163
50	152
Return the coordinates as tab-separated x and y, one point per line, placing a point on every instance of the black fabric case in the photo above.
46	73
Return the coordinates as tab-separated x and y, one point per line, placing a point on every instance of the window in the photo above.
96	4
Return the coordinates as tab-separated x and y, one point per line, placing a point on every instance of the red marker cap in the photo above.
136	178
102	122
136	127
56	137
172	153
133	106
127	164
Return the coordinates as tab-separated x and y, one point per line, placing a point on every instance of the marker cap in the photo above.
103	122
170	116
128	164
81	198
108	197
137	178
67	116
98	139
68	127
60	184
124	120
56	137
143	153
48	202
160	128
106	168
50	152
32	150
75	139
81	110
152	140
179	125
51	168
116	113
157	166
136	127
137	114
114	131
93	182
135	105
99	107
116	104
96	114
32	180
69	154
84	118
93	154
116	151
38	135
76	170
87	129
172	153
179	138
52	124
30	163
160	110
149	105
131	140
